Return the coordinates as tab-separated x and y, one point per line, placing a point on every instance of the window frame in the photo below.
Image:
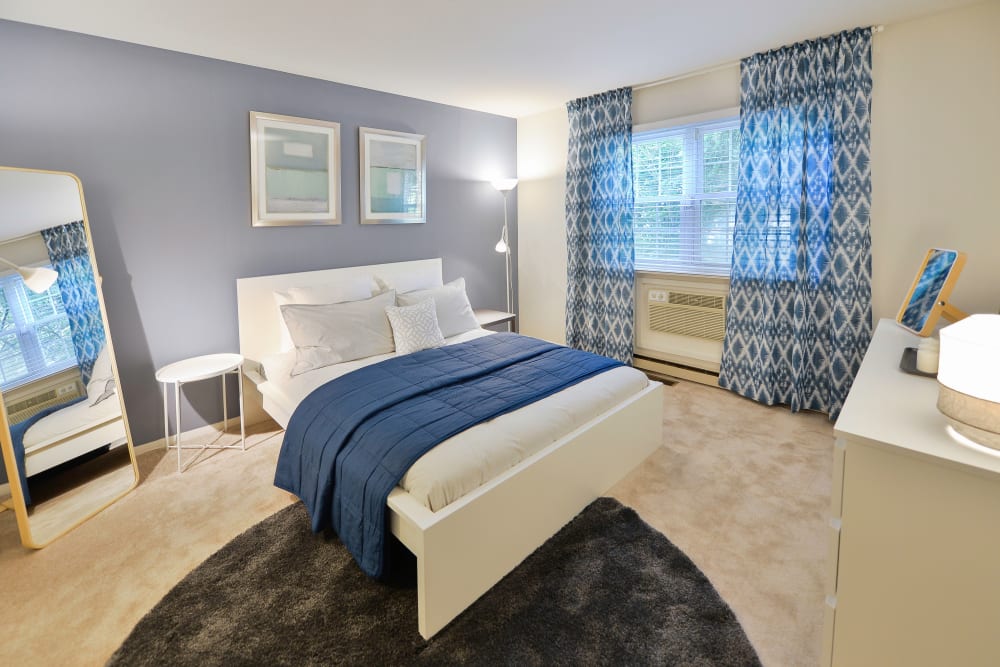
27	333
692	129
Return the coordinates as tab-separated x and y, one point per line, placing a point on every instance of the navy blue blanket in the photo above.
350	441
17	432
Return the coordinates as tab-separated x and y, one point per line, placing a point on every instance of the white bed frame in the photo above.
465	548
45	455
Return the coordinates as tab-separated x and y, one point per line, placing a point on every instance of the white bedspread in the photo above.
468	460
70	421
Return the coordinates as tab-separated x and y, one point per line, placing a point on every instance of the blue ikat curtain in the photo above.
798	320
70	257
601	254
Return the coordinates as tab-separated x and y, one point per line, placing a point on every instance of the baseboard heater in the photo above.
678	371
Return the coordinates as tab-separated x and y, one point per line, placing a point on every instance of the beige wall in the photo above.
935	135
718	89
935	142
542	142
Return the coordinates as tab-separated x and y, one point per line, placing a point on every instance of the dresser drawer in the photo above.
829	620
837	484
832	557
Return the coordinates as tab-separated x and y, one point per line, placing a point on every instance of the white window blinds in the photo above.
685	197
35	336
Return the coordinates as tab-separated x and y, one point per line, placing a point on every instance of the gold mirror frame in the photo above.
29	538
941	307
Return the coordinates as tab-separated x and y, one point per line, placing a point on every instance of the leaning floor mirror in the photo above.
64	436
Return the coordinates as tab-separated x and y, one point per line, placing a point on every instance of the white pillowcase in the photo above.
410	282
336	332
278	366
351	289
102	378
415	327
454	313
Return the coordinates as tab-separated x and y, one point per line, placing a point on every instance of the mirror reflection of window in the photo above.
64	438
35	335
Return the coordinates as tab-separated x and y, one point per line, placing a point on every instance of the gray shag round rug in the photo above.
606	589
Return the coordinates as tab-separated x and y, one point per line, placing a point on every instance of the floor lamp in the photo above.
504	186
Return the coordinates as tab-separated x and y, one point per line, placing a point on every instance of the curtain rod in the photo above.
713	68
19	238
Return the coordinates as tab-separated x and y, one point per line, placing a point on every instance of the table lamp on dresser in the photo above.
969	378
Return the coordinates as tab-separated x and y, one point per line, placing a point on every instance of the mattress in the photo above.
468	460
71	421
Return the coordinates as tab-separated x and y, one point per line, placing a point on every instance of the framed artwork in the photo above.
393	177
294	171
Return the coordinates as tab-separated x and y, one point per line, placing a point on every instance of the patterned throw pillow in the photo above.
454	313
415	327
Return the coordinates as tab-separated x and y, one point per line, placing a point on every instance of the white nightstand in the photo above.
488	318
194	370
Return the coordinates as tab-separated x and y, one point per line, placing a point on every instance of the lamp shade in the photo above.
38	279
504	184
969	377
970	357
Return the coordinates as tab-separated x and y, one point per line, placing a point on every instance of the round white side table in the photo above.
196	369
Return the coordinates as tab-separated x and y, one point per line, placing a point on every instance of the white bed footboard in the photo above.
465	548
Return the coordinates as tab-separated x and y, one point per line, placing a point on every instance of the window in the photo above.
35	337
685	197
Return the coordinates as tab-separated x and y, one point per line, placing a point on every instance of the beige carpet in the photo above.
740	488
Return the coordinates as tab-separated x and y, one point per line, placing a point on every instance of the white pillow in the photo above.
336	332
278	366
454	313
102	378
415	327
350	289
410	282
101	373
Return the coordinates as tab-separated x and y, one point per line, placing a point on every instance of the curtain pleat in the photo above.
70	257
600	304
798	319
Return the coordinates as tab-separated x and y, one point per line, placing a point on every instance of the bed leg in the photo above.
437	602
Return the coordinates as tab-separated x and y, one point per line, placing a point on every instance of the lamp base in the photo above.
975	418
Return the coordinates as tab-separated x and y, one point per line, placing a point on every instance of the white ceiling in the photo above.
513	58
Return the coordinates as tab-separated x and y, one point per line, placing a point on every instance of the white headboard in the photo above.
258	315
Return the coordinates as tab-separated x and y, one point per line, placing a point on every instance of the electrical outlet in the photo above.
65	389
657	295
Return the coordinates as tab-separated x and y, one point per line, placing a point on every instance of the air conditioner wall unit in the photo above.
30	399
681	321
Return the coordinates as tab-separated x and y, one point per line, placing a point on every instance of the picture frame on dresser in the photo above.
392	177
294	171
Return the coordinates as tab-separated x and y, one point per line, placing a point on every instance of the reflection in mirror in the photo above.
65	441
927	298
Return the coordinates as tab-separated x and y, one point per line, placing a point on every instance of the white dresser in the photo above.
914	574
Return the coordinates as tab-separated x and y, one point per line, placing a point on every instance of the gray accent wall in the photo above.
161	142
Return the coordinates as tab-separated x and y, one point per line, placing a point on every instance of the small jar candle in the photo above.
927	355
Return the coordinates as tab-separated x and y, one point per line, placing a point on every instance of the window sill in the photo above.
695	277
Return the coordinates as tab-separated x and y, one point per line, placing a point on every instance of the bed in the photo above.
546	461
72	432
57	435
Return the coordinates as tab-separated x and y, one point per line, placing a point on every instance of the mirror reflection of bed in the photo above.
65	439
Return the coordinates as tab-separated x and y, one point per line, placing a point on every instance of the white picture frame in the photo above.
393	177
294	171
